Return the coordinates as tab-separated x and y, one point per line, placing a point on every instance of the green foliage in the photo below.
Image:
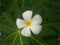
10	10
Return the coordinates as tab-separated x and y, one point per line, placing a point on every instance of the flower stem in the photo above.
14	39
20	37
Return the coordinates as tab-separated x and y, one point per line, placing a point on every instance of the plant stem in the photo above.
37	40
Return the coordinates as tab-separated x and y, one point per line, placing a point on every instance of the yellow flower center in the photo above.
28	23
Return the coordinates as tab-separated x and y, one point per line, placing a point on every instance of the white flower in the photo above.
29	24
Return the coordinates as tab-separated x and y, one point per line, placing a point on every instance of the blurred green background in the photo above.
10	10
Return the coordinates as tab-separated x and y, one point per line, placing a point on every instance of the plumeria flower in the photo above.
29	24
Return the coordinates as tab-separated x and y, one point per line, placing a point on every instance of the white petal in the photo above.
27	15
36	29
37	19
26	32
20	23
